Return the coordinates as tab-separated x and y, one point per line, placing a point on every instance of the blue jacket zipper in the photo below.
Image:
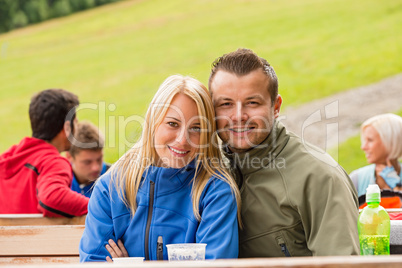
149	219
159	248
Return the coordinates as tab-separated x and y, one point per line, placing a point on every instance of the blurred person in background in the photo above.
86	157
381	141
34	177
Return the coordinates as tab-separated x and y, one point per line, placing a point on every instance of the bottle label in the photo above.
374	244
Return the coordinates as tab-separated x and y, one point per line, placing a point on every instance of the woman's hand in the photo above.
379	179
116	250
389	174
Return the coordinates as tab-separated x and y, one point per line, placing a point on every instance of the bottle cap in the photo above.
373	193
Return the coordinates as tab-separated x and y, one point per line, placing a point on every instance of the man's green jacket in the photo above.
296	200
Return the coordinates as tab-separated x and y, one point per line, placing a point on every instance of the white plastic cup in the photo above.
127	260
186	252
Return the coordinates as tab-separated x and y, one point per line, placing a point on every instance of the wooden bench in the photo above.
38	219
40	244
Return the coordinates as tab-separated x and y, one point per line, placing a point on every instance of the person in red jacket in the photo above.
34	177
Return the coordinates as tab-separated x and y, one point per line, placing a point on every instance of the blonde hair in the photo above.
389	127
128	170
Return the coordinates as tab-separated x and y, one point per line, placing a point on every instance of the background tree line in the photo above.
19	13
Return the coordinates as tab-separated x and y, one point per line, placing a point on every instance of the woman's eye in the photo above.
173	124
195	129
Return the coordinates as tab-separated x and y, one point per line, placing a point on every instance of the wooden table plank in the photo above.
40	240
38	219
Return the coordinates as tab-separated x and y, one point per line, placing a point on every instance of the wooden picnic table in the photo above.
38	219
296	262
57	244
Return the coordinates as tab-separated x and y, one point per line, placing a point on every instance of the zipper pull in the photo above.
159	248
282	244
285	250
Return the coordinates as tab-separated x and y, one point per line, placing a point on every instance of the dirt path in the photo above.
330	121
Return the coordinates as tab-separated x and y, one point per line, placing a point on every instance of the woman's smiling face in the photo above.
177	138
373	147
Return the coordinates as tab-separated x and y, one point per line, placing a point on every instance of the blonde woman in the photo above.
381	138
170	187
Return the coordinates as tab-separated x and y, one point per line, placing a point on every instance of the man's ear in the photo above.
277	105
67	128
69	156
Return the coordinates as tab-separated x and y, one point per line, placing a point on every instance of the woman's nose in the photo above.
182	137
363	146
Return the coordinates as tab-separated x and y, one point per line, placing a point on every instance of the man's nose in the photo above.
239	114
96	166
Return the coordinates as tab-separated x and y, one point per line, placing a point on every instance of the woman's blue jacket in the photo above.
164	212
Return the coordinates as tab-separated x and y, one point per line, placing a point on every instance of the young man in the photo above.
34	177
293	204
86	158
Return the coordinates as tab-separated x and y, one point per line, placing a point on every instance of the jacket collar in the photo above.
169	179
173	171
262	155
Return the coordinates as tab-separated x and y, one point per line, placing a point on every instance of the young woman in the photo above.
170	187
381	138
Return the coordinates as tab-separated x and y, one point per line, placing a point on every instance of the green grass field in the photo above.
118	54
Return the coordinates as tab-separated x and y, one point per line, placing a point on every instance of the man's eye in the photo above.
225	104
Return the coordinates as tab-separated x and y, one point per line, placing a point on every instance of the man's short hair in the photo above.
242	62
87	137
48	111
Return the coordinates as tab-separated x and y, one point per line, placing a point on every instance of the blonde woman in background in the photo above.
381	138
170	187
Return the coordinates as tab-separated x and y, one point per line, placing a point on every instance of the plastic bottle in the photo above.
374	225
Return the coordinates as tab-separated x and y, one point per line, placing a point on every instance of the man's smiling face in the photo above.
243	107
